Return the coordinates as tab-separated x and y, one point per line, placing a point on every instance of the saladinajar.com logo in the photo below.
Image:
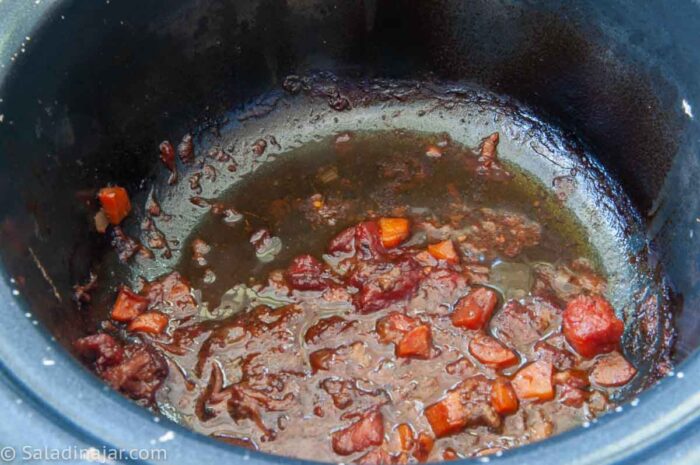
9	454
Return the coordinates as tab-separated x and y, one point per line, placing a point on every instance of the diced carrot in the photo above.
503	397
474	310
405	436
490	352
115	203
446	416
444	250
149	322
393	231
534	382
416	343
424	445
128	305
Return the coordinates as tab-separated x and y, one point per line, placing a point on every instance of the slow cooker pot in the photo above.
87	90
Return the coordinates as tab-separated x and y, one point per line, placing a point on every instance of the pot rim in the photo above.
82	405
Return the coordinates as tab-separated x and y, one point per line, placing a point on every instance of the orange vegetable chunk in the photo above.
474	310
444	250
424	445
149	322
503	397
393	231
416	343
115	203
490	352
128	305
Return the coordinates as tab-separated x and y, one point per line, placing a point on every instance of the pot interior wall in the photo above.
101	84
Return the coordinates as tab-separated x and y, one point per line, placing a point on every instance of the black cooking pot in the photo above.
88	89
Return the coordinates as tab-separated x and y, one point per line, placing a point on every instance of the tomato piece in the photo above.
149	322
368	431
490	352
128	305
612	370
394	326
503	397
446	417
115	203
393	231
474	310
416	343
424	446
405	436
591	326
534	382
444	250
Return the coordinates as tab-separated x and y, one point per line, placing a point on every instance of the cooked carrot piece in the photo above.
393	231
424	445
490	352
474	310
503	397
534	382
405	436
149	322
115	203
416	343
128	305
444	250
446	416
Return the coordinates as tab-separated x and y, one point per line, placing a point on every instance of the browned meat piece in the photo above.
368	431
173	292
520	326
102	349
341	391
327	328
139	374
503	231
561	359
612	370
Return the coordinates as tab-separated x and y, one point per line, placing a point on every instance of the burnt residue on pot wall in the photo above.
97	91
